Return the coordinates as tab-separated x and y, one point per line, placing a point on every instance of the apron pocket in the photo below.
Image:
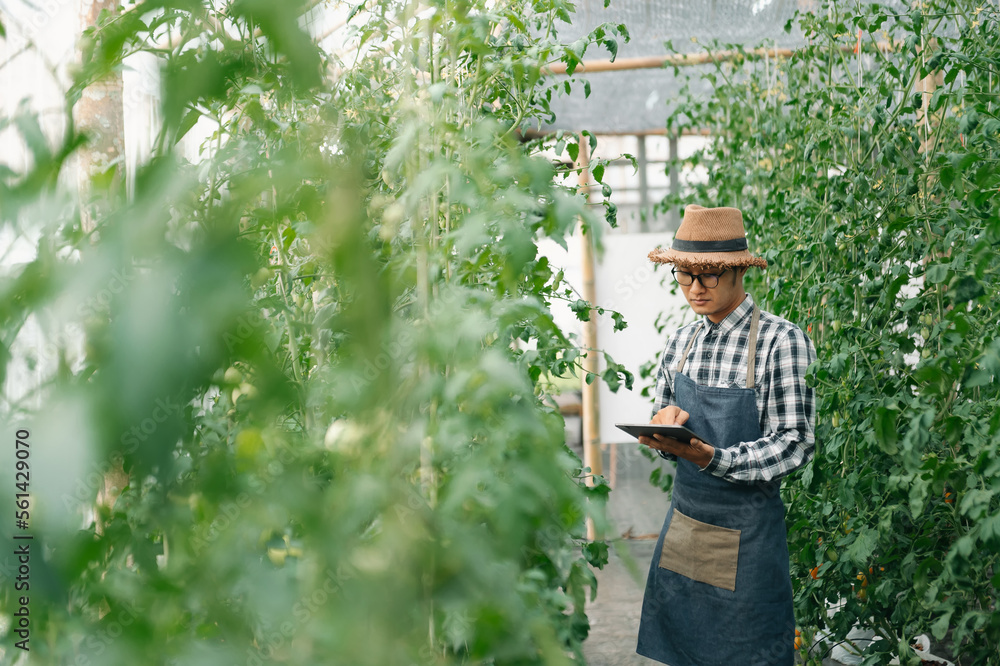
701	552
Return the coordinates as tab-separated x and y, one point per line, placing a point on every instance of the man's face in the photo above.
719	301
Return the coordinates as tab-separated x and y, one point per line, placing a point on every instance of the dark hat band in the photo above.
732	245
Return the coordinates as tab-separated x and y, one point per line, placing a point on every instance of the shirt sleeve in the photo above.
663	393
790	411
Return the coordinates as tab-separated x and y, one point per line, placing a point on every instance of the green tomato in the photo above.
249	443
260	278
233	375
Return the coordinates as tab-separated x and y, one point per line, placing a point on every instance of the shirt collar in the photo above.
733	319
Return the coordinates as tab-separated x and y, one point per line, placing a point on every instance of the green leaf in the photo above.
967	123
837	364
990	127
937	273
986	367
886	434
918	496
610	377
611	213
612	47
861	549
354	12
34	137
573	55
965	288
598	172
596	552
947	176
574	151
941	625
280	24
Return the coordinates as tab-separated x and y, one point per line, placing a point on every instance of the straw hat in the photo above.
709	237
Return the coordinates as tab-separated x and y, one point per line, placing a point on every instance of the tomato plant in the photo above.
313	361
866	166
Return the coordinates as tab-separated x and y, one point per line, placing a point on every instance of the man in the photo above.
719	590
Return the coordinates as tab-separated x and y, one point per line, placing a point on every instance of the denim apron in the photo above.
718	590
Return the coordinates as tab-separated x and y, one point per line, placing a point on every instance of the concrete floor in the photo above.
614	616
636	509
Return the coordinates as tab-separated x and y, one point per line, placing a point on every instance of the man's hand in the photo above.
697	451
672	415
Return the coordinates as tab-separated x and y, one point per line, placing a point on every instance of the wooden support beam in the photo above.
657	131
684	59
100	113
592	457
663	61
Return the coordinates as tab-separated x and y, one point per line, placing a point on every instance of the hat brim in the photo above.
742	259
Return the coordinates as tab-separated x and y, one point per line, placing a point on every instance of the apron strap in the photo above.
752	346
684	356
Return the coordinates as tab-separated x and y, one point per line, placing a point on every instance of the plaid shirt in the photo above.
785	404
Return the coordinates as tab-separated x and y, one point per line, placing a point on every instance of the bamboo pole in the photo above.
656	131
926	121
684	59
591	416
661	61
674	176
100	113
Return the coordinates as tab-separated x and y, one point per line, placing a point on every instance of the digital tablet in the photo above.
677	432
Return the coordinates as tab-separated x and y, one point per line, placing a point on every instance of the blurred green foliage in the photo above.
873	196
316	358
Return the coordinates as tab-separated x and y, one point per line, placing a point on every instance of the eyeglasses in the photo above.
707	280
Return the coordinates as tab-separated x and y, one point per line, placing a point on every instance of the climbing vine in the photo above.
293	406
866	166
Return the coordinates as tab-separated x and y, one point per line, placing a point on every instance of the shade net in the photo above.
639	101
